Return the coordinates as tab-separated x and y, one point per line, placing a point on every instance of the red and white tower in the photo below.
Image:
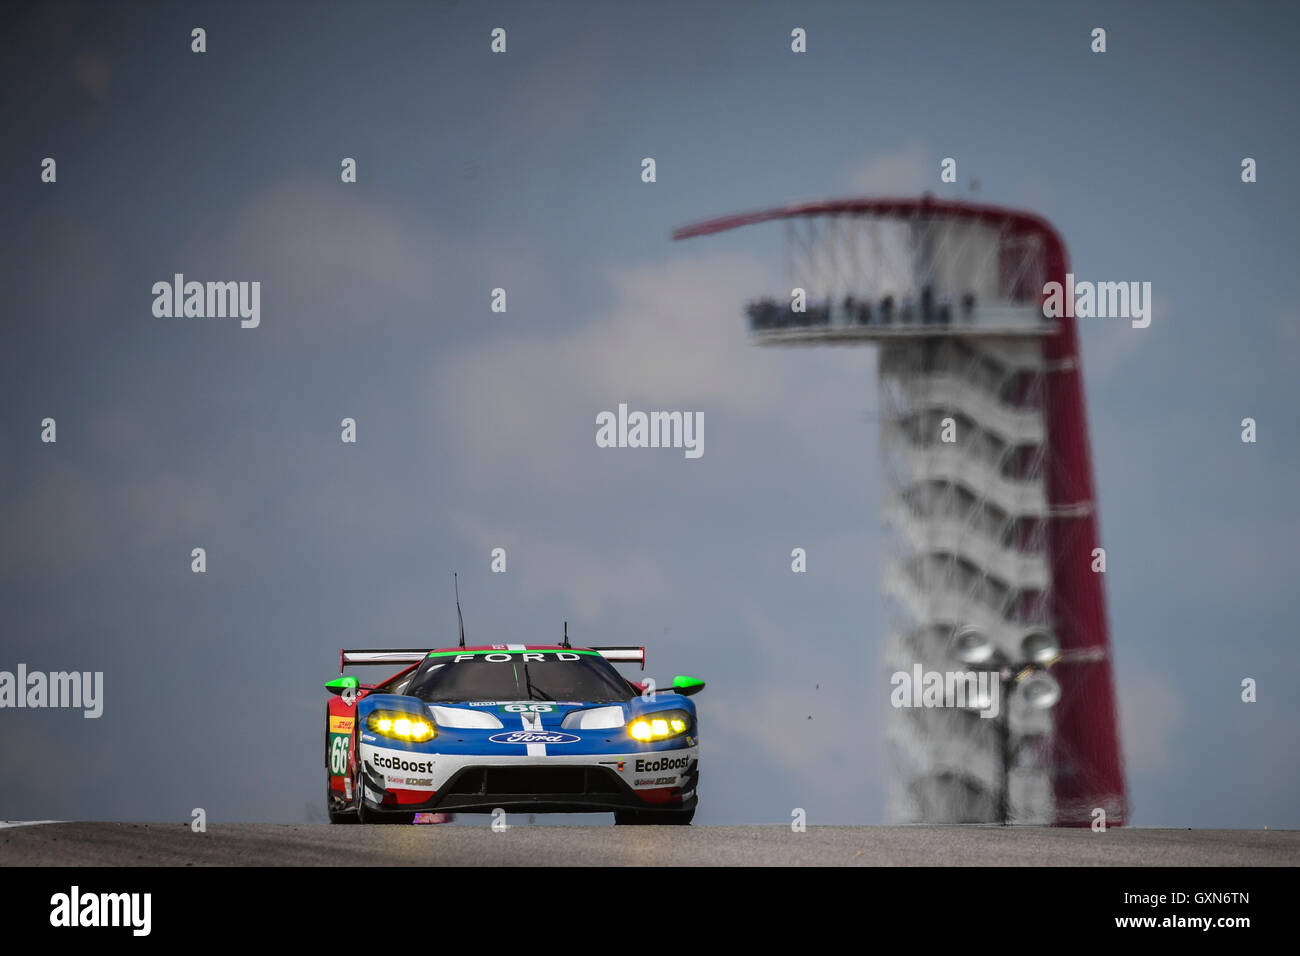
990	503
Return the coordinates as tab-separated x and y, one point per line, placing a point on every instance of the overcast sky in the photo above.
476	429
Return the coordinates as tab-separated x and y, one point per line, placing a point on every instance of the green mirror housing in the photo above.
686	686
339	684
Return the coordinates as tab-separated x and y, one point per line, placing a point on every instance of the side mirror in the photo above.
341	685
686	686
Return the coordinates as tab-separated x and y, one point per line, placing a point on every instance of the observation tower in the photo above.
990	506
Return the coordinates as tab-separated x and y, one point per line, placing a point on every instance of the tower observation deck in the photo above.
990	508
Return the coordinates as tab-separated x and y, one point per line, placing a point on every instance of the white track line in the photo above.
5	824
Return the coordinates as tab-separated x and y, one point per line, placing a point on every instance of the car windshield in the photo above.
585	676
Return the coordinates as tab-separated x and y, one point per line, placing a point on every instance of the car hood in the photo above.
521	714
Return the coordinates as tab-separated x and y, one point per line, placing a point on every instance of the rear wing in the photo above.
623	654
399	655
627	654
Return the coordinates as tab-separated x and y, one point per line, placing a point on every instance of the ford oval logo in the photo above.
533	737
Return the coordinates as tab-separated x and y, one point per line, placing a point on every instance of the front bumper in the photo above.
648	781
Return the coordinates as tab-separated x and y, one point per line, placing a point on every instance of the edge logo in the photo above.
533	737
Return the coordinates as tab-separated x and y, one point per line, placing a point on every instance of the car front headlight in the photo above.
661	726
400	726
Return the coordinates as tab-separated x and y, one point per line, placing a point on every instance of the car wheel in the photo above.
337	816
374	816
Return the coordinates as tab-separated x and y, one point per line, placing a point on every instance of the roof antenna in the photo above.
456	584
566	635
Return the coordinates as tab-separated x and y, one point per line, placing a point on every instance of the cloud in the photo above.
1150	711
591	578
908	170
1110	344
1284	324
804	707
323	240
51	523
591	582
92	73
1033	193
673	339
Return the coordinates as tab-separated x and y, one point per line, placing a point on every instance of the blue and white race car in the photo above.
528	728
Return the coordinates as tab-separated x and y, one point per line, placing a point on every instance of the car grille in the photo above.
526	780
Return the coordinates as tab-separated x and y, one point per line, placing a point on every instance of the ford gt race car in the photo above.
529	728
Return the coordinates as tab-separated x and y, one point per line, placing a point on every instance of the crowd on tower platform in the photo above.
905	310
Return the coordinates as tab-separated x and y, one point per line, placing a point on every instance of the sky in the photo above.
475	429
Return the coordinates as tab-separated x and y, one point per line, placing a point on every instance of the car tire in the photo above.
374	816
337	816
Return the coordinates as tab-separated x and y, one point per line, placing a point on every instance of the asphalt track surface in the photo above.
171	844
